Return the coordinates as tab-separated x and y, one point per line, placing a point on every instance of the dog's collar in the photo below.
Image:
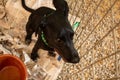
46	15
43	38
42	33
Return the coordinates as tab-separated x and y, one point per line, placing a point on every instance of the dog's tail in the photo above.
27	8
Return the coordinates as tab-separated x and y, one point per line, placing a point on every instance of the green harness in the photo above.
42	33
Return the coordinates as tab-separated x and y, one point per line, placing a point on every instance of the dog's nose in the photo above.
75	60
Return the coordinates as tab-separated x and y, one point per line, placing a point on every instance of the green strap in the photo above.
43	38
76	25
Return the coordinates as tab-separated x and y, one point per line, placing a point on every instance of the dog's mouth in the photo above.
65	59
59	52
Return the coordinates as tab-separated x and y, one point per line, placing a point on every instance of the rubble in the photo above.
12	34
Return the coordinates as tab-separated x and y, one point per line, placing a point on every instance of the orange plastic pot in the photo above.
12	68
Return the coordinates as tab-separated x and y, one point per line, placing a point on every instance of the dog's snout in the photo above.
75	60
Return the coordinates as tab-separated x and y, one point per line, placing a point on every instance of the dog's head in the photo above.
59	35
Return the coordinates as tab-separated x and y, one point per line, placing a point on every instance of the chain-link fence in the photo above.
97	40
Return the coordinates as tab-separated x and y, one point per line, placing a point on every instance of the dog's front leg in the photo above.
34	54
29	32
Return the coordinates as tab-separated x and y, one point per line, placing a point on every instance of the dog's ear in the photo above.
62	6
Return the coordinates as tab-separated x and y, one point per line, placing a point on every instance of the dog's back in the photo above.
38	14
60	5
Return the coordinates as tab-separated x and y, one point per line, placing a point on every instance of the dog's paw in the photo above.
28	41
51	54
34	56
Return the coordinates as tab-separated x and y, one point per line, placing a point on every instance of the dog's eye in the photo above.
59	40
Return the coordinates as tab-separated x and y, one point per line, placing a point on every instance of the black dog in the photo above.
53	29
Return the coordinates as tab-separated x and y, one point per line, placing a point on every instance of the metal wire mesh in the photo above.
97	40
